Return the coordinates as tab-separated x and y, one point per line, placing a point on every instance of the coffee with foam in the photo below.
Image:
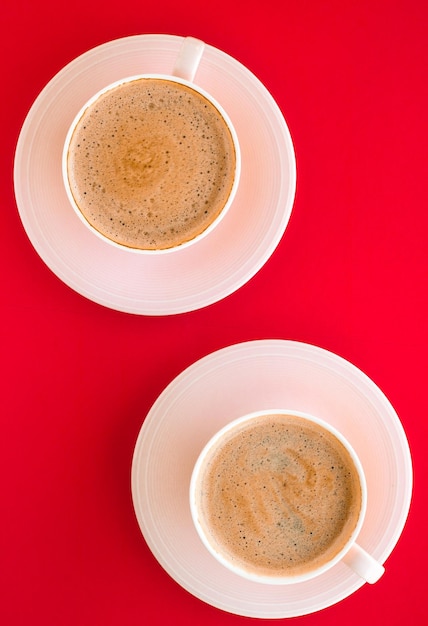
151	164
278	495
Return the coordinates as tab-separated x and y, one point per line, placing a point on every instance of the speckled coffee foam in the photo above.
151	164
280	497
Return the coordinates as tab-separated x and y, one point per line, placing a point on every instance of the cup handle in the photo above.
363	564
188	58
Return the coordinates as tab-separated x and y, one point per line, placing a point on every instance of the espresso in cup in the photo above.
277	496
151	163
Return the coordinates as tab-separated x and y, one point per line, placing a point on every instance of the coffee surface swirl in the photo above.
151	163
280	496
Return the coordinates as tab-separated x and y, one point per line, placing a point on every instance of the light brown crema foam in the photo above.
281	496
151	164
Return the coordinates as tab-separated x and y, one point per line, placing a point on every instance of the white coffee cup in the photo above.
183	73
351	553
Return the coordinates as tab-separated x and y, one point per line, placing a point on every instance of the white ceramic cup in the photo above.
352	554
183	73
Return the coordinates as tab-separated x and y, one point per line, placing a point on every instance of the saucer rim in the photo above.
132	294
153	425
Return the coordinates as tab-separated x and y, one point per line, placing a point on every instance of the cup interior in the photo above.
215	443
236	173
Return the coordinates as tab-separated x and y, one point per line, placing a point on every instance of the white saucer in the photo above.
191	278
249	377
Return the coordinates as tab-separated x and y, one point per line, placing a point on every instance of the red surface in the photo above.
350	275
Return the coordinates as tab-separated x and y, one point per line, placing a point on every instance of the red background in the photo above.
350	275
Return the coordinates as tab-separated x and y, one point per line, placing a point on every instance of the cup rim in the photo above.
236	145
277	580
